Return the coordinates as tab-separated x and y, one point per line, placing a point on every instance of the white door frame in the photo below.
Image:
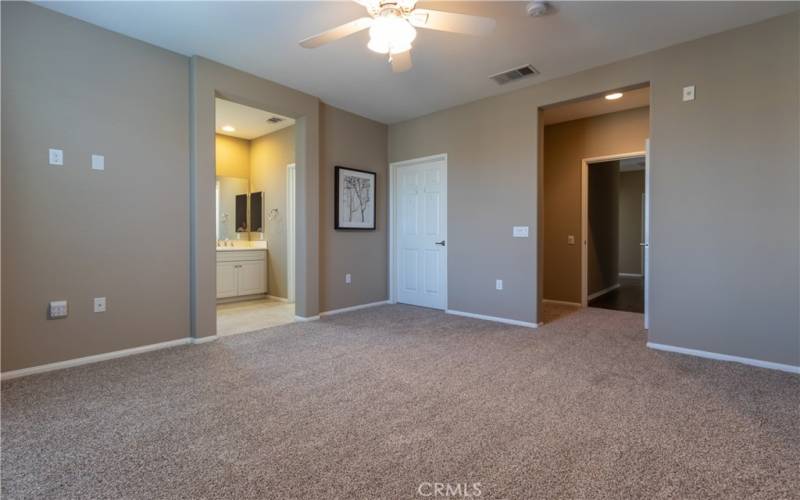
393	167
648	204
585	217
291	180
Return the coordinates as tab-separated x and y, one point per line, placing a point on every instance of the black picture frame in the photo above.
367	210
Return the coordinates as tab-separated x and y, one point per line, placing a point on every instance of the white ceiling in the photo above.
597	105
449	69
248	122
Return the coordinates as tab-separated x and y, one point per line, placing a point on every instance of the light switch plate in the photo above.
571	239
98	162
688	93
56	157
498	284
348	279
99	304
520	231
57	309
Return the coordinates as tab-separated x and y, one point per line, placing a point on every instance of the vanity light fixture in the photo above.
228	128
613	96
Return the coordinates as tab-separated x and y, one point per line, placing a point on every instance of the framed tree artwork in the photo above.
355	199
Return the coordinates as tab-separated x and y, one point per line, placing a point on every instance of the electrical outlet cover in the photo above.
98	162
56	156
99	304
57	309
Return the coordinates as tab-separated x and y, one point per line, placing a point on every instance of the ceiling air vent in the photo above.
275	119
514	74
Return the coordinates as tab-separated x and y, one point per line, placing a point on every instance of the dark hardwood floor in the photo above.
628	297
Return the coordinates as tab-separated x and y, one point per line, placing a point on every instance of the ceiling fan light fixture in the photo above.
399	49
391	33
378	46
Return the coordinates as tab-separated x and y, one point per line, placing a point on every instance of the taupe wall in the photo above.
125	233
603	233
631	189
725	190
73	233
349	140
232	156
565	145
270	155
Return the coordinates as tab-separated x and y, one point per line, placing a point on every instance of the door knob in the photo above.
440	243
644	244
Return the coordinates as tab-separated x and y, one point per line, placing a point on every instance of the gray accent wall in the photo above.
725	177
350	140
73	233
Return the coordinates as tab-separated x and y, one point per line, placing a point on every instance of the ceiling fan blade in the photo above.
401	62
452	22
336	33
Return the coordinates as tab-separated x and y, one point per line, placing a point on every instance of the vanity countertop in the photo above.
240	249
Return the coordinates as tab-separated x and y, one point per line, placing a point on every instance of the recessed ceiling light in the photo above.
228	128
614	96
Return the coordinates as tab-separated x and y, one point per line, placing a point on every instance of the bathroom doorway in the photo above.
254	218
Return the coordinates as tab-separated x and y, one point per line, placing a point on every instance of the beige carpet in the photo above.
371	404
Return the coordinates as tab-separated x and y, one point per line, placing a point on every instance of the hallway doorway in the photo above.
614	232
582	261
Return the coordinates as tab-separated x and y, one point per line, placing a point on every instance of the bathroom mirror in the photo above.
232	194
256	222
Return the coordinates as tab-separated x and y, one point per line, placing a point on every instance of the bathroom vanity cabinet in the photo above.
241	272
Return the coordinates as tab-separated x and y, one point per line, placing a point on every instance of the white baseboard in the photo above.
353	308
562	302
93	359
492	318
725	357
630	275
603	292
304	319
203	340
280	299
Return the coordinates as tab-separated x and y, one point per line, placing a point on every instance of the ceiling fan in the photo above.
392	28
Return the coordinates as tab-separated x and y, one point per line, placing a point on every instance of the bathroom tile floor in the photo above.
252	315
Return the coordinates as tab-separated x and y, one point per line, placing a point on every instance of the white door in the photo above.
226	279
290	229
646	241
252	277
421	233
